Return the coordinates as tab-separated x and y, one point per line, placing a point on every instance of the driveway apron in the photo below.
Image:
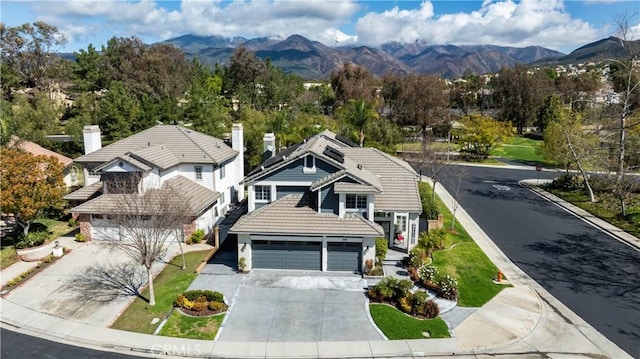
286	306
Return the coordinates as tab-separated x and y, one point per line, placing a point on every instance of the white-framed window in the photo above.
262	193
198	172
401	223
222	171
309	164
222	199
356	201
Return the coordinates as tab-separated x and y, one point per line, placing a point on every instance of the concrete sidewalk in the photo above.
521	321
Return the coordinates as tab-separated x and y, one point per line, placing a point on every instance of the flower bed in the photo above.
201	303
398	293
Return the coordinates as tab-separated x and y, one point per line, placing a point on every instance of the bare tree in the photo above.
148	221
457	175
628	86
431	161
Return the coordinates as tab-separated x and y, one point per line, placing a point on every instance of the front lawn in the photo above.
182	326
465	261
607	208
520	149
170	283
397	325
54	227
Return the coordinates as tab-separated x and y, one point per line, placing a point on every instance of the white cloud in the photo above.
251	18
528	22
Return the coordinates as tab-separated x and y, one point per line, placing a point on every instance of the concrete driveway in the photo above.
291	306
55	290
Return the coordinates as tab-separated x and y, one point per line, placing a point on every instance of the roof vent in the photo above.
262	168
359	166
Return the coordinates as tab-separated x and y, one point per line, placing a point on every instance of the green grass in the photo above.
56	228
607	208
520	149
171	282
8	256
465	261
417	146
397	325
183	326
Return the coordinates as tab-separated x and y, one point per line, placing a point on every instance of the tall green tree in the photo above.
353	82
242	75
519	93
357	114
550	111
422	102
88	70
28	52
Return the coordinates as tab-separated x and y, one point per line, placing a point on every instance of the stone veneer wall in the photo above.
188	229
85	225
435	223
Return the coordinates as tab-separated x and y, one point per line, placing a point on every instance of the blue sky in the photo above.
556	24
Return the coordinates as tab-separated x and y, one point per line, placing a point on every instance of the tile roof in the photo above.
35	149
84	193
293	215
346	187
177	192
399	180
158	155
188	146
317	145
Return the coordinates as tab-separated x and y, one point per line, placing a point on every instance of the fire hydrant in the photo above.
499	276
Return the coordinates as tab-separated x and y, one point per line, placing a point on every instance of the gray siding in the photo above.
293	172
329	201
282	191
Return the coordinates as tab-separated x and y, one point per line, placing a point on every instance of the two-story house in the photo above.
200	169
320	205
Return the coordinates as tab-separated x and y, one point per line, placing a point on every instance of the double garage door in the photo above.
305	255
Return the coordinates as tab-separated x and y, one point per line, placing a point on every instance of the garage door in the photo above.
286	255
344	257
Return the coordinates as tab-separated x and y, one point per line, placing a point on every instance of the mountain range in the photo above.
314	60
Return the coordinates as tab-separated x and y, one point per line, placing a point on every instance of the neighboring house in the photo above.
321	204
202	170
70	172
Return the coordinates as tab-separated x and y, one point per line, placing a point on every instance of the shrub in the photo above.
405	304
242	264
382	246
429	207
413	273
416	257
377	271
418	299
217	306
401	289
368	266
203	295
80	237
430	309
428	273
72	222
197	236
33	239
183	302
199	306
448	287
567	182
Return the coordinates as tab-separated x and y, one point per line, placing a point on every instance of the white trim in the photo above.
306	169
282	183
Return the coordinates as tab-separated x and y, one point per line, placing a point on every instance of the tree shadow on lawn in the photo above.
107	282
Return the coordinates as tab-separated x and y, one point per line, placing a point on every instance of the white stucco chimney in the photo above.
91	137
237	143
269	141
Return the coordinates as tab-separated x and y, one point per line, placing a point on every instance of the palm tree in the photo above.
358	114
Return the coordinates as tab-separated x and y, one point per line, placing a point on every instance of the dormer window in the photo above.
356	201
309	164
198	172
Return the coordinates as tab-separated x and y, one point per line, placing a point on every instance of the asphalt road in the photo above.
15	345
593	274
